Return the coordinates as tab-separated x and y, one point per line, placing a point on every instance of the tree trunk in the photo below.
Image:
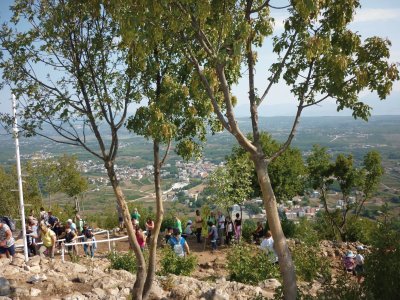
157	224
285	258
141	264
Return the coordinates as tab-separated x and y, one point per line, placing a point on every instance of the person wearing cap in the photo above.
49	240
188	229
348	261
359	262
178	244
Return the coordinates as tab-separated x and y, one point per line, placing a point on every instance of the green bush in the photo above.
359	229
248	264
123	261
309	265
305	232
249	226
382	265
173	264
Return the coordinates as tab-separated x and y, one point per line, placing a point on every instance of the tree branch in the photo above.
278	72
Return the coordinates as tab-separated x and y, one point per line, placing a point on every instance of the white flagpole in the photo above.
21	193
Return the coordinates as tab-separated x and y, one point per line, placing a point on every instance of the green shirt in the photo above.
135	216
178	224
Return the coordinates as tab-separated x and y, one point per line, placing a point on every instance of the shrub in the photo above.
123	261
173	264
359	229
249	226
344	288
305	232
382	265
250	265
309	265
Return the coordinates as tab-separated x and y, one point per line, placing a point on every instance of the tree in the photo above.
231	184
287	172
63	61
319	59
360	182
9	192
72	182
175	112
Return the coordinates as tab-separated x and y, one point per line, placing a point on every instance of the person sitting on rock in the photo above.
49	240
348	261
267	245
178	244
258	233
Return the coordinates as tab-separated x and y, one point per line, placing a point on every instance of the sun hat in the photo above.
350	254
69	221
360	248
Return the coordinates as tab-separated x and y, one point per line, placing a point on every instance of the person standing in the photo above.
49	240
71	225
359	261
88	237
178	244
228	230
6	241
238	227
221	227
178	224
135	216
149	228
198	225
212	235
79	224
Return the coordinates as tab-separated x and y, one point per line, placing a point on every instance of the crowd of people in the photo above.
46	234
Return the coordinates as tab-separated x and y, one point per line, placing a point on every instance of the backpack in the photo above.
8	221
177	247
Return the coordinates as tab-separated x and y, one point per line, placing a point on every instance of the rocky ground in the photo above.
42	278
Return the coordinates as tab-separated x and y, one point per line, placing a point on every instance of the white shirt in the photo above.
221	222
267	245
359	259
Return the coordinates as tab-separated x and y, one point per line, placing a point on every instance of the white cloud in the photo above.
376	14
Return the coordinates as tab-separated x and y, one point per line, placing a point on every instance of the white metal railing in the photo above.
81	236
90	242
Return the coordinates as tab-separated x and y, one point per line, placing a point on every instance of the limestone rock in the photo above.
106	282
18	262
270	284
99	292
74	296
34	292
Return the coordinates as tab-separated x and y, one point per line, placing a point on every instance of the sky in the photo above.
376	17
